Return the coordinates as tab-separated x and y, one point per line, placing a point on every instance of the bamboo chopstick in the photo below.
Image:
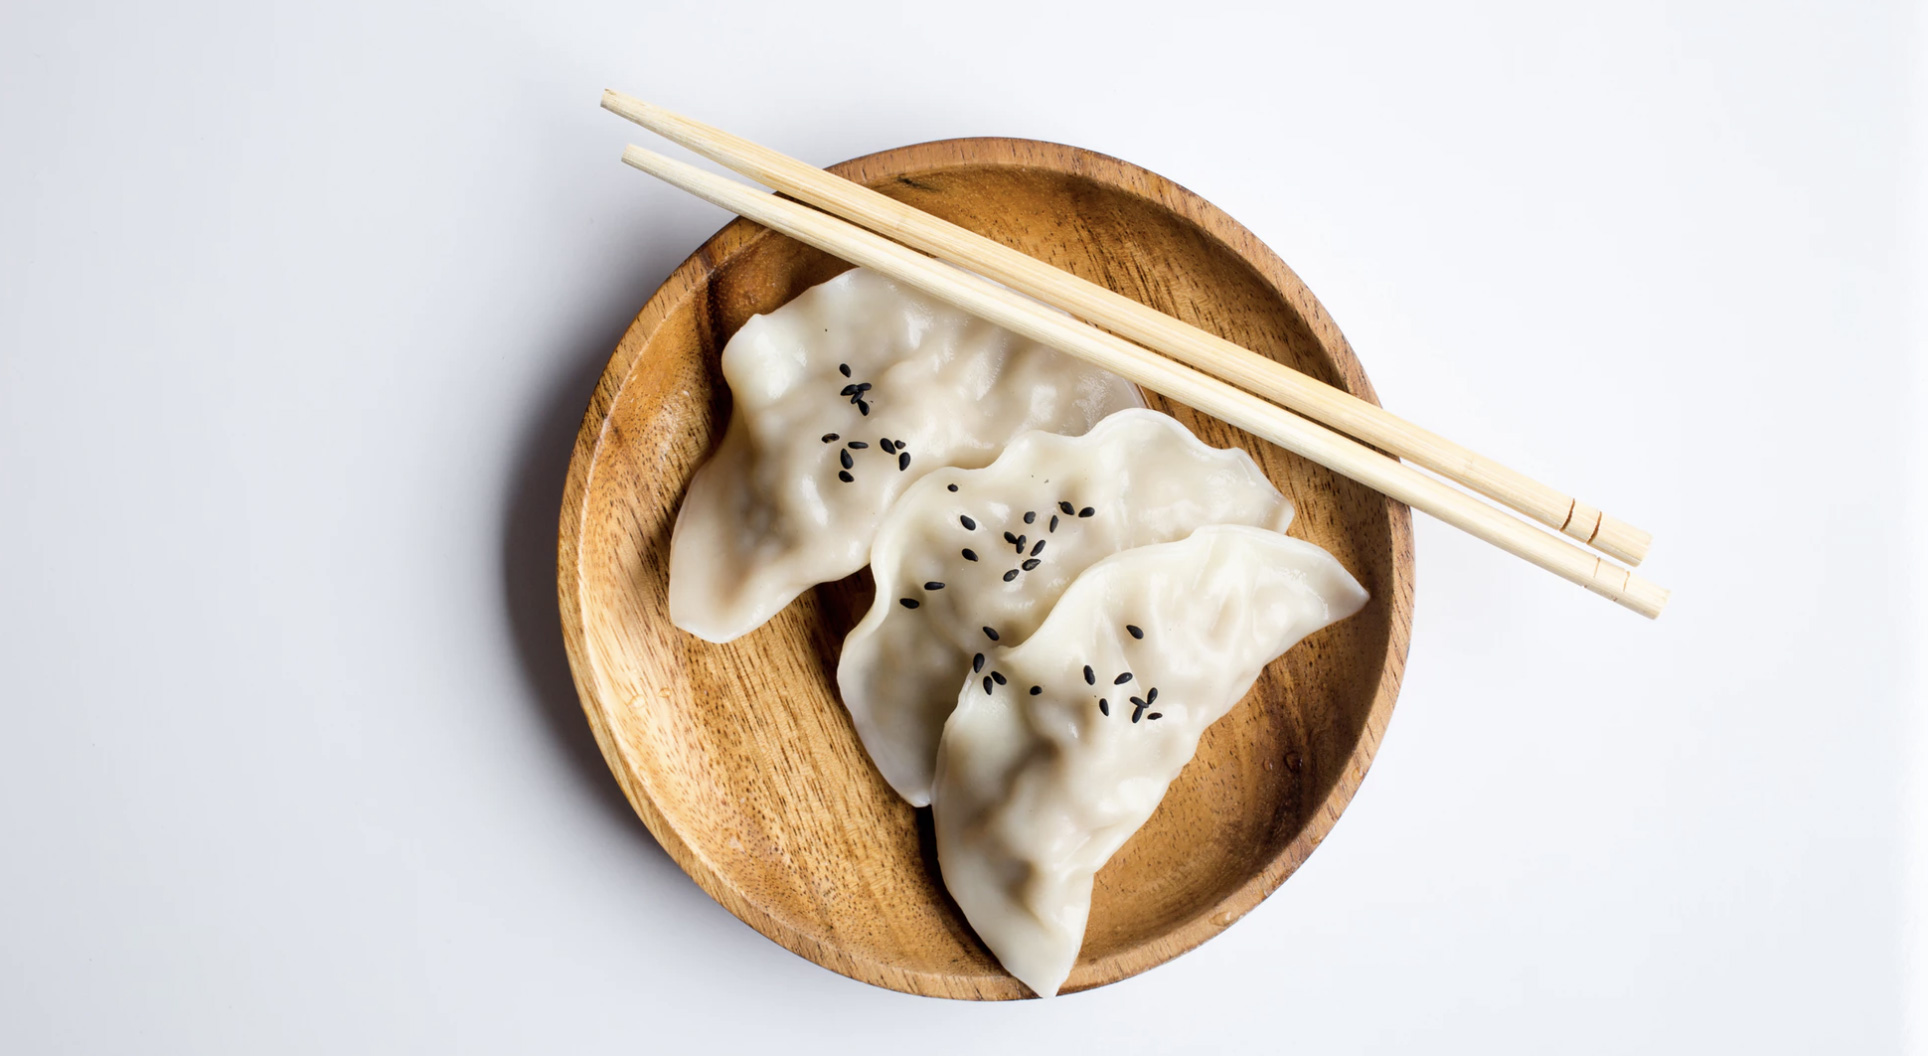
1024	316
1145	325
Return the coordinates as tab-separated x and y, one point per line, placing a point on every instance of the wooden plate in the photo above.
740	758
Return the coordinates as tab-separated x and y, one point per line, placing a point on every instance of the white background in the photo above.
299	308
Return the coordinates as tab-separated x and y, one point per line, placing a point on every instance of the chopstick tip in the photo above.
622	105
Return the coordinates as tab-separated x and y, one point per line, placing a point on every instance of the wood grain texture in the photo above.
740	759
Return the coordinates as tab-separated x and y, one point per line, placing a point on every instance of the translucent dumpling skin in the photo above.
1065	745
965	550
844	397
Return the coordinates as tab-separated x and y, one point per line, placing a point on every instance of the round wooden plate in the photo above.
740	758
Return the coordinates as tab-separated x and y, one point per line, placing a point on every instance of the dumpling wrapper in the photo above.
1144	477
1035	793
768	516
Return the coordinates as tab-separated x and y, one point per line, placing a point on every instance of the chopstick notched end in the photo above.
1628	590
1620	540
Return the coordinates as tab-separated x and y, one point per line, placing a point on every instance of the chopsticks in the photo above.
1147	326
1028	318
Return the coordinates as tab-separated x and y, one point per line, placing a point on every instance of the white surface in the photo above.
298	309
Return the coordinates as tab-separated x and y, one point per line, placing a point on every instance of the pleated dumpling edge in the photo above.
843	397
971	559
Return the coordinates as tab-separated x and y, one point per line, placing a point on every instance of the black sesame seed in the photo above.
1067	508
991	633
844	367
863	408
977	663
969	525
830	438
1156	715
848	390
1087	512
1035	690
1011	575
1140	701
1152	697
903	460
844	475
1009	538
1054	522
1136	715
950	487
863	386
1136	631
1030	563
969	554
933	585
1036	550
1091	677
844	457
987	684
856	445
998	677
1104	706
1121	679
909	603
1020	544
889	448
1030	516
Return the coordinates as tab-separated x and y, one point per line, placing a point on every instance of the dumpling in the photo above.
1065	745
967	554
844	397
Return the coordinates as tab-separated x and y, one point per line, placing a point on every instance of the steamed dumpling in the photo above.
844	397
1043	776
966	550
